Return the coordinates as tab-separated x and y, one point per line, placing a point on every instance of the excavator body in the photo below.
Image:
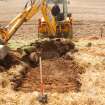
63	27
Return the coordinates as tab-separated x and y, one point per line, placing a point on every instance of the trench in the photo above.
61	73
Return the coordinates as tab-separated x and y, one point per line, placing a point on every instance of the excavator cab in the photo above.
63	20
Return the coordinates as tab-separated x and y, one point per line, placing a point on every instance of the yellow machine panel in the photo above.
63	29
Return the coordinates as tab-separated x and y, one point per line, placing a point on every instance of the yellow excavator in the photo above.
54	24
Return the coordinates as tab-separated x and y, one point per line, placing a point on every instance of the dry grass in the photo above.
92	90
93	80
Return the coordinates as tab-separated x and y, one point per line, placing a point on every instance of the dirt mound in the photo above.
60	75
54	48
47	49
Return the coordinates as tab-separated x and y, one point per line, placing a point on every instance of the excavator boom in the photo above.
28	12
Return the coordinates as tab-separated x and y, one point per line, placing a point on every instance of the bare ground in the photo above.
88	19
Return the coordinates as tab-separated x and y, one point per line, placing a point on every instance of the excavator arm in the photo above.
49	19
12	27
28	12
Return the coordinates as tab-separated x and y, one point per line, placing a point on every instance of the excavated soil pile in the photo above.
59	75
47	49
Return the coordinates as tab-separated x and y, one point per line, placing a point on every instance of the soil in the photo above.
59	75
